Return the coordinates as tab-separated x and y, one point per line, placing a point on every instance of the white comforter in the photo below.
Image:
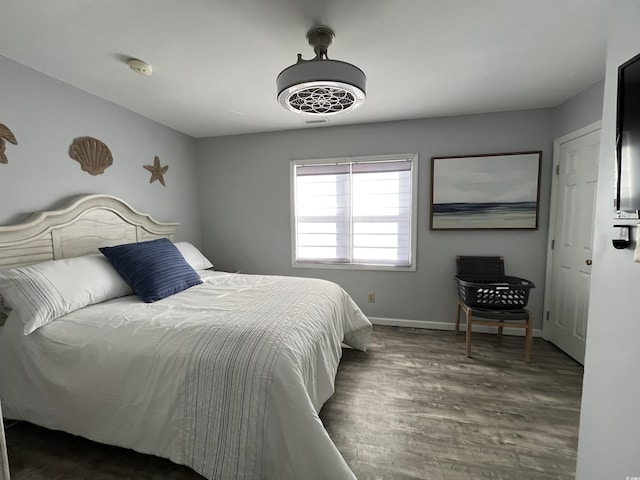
226	377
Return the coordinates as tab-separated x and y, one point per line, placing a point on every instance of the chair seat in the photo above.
502	315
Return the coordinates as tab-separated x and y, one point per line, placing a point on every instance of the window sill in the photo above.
348	266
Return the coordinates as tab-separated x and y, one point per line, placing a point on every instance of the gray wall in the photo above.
609	444
46	115
579	111
246	217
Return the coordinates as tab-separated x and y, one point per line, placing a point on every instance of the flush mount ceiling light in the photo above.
321	86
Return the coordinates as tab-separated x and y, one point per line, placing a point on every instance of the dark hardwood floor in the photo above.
412	407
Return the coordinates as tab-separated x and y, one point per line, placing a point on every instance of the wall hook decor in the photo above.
157	171
93	156
5	134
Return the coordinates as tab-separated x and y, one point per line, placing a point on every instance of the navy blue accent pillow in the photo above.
154	270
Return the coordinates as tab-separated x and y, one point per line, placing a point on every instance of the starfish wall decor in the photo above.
5	134
157	171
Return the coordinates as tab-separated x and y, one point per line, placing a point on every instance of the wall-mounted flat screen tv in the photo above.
628	137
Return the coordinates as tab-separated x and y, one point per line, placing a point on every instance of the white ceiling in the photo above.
215	62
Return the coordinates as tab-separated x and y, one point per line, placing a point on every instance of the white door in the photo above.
573	200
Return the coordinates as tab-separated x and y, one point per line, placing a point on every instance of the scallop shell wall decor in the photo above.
5	134
92	155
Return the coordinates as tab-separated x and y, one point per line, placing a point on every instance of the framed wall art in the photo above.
485	192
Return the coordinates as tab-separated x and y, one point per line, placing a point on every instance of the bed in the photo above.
227	376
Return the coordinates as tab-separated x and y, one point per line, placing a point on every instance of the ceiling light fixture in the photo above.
321	86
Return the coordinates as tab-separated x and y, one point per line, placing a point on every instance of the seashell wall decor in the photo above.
5	134
92	155
157	171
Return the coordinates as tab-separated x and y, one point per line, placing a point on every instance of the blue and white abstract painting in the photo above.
485	192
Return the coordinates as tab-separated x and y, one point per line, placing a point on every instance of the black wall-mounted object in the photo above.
627	197
624	237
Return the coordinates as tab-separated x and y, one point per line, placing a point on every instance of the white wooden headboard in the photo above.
78	228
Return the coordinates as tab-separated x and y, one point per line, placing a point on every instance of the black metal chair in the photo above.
488	297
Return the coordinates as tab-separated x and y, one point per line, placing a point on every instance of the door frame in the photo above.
552	216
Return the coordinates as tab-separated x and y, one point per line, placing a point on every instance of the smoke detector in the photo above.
321	86
138	66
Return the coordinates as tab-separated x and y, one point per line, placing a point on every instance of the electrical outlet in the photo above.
372	297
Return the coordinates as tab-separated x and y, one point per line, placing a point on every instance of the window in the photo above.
355	212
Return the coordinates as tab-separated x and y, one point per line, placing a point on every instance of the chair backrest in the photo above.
488	266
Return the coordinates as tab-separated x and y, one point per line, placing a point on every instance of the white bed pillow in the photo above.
193	256
45	291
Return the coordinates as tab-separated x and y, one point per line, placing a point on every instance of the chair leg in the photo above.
457	316
500	330
528	340
468	337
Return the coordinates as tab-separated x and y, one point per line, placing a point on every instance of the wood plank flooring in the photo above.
415	408
412	407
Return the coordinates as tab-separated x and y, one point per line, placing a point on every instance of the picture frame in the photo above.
499	191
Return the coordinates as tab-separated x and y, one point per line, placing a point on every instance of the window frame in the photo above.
413	157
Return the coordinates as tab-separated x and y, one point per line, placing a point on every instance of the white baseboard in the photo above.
399	322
